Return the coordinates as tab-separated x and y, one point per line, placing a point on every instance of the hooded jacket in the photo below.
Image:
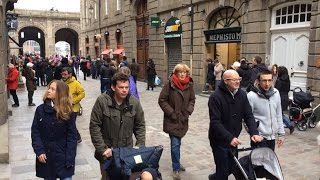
77	93
245	73
266	108
226	112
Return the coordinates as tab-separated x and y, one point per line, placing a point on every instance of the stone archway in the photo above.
70	36
32	33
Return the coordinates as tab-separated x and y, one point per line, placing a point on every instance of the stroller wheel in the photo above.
302	126
312	122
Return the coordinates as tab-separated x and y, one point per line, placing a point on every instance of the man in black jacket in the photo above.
228	105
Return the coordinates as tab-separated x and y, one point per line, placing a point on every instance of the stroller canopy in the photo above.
268	159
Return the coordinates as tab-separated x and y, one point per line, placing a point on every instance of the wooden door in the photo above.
142	21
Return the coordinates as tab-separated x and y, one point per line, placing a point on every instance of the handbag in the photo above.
126	160
157	81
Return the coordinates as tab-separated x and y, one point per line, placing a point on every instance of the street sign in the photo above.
155	22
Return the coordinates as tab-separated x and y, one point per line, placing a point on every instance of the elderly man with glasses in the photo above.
228	106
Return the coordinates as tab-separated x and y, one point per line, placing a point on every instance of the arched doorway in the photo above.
31	47
223	37
62	48
142	21
71	37
35	34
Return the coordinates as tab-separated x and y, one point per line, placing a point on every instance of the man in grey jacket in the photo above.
115	117
266	107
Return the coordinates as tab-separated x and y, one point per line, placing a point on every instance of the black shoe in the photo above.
15	105
32	104
182	168
79	140
212	176
147	89
291	129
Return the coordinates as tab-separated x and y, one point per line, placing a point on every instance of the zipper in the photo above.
270	117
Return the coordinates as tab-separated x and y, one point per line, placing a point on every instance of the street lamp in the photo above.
91	9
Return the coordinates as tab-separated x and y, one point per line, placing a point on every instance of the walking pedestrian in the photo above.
31	85
266	107
210	75
106	73
12	83
283	86
134	67
76	91
177	101
115	117
218	71
151	74
228	105
53	134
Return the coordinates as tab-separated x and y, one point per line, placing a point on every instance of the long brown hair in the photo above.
62	101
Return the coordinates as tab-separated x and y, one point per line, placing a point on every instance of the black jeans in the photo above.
30	97
225	164
78	134
14	96
105	84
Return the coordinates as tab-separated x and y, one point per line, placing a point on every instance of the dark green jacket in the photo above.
113	127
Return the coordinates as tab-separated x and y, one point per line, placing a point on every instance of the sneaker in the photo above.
182	168
32	104
176	175
212	176
291	129
79	141
15	105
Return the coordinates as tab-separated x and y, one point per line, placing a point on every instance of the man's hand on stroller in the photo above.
235	142
107	153
256	138
280	141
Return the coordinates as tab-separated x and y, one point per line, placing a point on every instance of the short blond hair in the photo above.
181	68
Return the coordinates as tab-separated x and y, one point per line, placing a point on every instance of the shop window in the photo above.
298	13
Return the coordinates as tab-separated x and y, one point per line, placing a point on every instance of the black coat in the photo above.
245	72
55	138
226	113
283	86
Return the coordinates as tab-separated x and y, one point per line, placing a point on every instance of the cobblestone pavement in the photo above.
299	157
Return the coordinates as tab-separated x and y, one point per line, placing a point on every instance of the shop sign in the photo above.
155	22
223	35
173	28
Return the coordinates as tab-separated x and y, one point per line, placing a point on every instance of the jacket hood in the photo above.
262	93
70	80
261	67
244	66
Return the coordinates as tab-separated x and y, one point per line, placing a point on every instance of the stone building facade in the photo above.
5	5
281	32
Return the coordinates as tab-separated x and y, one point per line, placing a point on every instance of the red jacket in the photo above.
12	79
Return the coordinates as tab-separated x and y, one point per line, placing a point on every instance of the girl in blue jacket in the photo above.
54	134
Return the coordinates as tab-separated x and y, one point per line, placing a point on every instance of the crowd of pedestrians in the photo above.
240	95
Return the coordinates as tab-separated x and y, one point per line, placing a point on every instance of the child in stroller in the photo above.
260	163
300	109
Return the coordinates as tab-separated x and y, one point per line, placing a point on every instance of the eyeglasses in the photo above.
235	80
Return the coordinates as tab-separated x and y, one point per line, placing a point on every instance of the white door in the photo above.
290	49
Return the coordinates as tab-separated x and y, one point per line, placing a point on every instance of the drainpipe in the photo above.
191	14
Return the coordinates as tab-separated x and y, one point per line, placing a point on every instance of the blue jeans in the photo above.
217	84
105	84
175	152
286	121
67	178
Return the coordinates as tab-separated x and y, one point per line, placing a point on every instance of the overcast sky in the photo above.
61	5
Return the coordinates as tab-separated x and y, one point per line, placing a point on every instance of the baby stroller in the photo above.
128	163
300	109
260	163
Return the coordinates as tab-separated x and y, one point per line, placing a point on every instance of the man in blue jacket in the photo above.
228	106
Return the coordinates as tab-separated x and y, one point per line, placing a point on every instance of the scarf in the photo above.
180	84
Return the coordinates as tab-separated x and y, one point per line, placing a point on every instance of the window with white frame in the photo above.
106	6
118	5
297	13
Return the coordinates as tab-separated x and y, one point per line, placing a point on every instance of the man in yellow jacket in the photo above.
76	91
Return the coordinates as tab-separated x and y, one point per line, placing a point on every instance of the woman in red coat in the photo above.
12	83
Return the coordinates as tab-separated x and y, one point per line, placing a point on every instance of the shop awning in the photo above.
106	51
118	51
